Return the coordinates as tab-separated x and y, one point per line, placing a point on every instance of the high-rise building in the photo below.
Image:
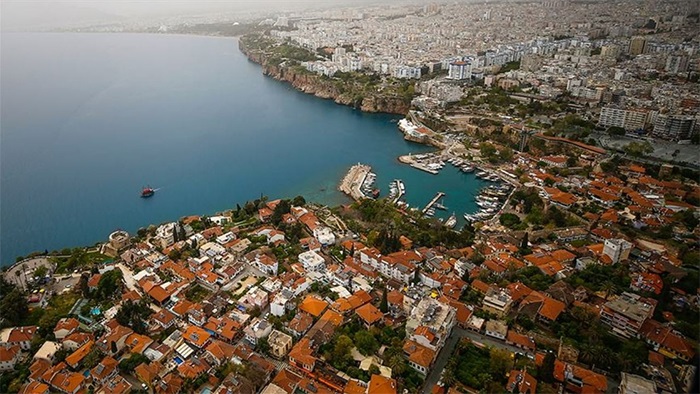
460	70
609	51
676	64
611	116
637	45
674	127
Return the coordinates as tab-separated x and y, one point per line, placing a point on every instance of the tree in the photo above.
13	305
41	271
506	154
93	357
525	243
341	352
416	276
384	304
500	363
109	285
83	285
638	149
129	364
298	201
397	364
282	208
134	315
546	370
608	288
614	130
263	346
509	220
448	377
366	343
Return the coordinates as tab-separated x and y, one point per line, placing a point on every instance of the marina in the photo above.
432	202
356	180
397	189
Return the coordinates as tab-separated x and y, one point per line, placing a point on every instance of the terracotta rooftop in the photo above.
313	305
369	313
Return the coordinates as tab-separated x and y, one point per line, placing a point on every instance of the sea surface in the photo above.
87	120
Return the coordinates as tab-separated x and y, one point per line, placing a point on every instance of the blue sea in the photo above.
87	120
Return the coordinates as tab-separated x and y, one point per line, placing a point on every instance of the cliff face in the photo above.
327	89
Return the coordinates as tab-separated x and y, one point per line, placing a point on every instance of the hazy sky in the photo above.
27	14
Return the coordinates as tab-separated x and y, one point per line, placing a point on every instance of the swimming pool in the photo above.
177	360
95	311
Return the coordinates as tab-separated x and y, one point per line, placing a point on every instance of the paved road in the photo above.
62	281
26	271
451	343
128	276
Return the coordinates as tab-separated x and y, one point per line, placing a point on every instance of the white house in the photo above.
324	235
257	330
496	329
280	302
312	261
9	357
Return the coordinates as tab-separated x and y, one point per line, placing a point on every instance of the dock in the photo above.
401	190
422	167
352	183
432	202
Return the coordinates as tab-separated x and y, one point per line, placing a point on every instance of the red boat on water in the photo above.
147	192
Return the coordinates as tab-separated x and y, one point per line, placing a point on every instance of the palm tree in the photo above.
608	287
586	353
397	364
17	273
448	377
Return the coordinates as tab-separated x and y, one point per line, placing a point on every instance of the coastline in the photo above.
94	235
314	84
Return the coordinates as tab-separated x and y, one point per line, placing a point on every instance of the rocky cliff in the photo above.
341	93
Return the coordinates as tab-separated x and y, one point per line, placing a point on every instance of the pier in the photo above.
421	166
401	190
432	202
352	183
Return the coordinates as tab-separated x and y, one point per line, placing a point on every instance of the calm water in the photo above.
89	119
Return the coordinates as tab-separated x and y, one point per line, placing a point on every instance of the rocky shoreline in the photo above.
325	88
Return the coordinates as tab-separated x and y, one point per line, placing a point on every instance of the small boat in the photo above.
437	205
451	221
147	192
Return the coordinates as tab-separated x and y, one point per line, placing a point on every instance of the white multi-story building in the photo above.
497	302
257	330
674	127
431	320
312	261
617	249
460	70
626	313
280	303
324	235
624	118
407	72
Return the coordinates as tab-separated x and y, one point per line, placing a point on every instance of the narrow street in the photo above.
128	276
450	345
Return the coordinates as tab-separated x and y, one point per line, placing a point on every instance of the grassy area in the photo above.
197	293
58	307
79	258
